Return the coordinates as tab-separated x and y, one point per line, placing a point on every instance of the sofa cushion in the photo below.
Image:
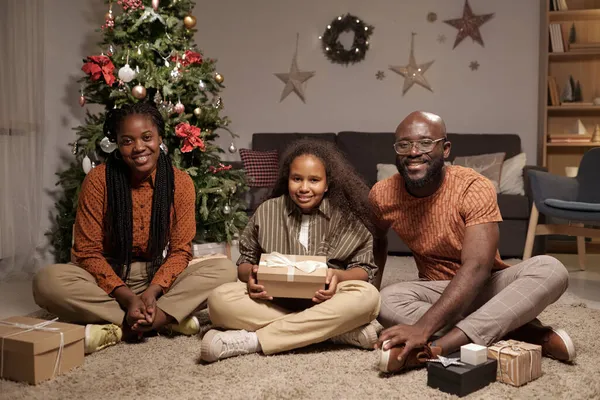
365	150
511	179
261	167
513	206
488	165
572	205
471	144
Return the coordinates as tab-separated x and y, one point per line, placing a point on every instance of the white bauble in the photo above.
126	74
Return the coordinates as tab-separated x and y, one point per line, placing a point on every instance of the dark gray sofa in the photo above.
366	149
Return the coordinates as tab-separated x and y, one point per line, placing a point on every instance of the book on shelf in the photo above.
569	138
556	38
554	97
558	5
585	46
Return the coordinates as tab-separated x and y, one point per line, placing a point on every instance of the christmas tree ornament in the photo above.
469	25
218	103
226	209
175	74
295	79
164	148
111	50
155	4
232	149
86	164
82	100
202	85
219	78
198	112
413	72
74	148
126	74
139	92
179	107
189	21
107	146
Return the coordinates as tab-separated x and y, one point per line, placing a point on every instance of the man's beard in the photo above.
434	171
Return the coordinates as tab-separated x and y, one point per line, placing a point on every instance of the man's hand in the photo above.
256	291
136	311
411	336
331	280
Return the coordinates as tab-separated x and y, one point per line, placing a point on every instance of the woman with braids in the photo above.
319	206
131	271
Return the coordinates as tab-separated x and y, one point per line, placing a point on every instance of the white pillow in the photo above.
384	171
511	178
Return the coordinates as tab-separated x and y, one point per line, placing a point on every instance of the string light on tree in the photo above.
155	4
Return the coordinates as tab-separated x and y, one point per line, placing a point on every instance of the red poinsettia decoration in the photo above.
99	66
191	137
221	167
188	58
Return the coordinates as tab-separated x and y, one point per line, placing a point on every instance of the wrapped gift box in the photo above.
289	281
35	355
518	362
461	380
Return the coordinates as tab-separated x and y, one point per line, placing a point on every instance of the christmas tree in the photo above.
147	53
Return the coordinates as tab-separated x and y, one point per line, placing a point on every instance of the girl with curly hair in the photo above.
319	206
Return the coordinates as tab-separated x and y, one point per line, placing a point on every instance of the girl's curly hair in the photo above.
347	192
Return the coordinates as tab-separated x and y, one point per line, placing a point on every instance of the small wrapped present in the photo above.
518	362
34	350
459	378
292	276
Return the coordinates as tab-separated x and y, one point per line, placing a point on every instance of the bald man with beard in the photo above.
448	216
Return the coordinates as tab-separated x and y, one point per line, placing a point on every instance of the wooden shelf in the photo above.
575	15
574	55
575	109
585	144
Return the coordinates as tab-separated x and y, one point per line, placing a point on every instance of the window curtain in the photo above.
21	134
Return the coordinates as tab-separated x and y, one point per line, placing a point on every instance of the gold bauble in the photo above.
197	112
189	21
139	92
219	78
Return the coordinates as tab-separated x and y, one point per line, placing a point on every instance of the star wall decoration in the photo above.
469	25
441	38
380	75
295	79
413	72
474	65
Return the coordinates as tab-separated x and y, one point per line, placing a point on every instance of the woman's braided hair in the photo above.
118	222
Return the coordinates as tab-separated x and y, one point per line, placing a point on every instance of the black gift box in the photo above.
461	380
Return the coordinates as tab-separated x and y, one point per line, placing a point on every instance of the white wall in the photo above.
252	39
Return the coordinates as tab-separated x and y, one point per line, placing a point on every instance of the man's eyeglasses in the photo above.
404	147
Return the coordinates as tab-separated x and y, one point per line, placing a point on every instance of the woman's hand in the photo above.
256	291
325	294
148	297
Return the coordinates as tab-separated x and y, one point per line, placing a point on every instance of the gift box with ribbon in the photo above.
34	350
292	276
518	362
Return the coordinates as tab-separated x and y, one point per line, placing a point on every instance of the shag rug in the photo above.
169	368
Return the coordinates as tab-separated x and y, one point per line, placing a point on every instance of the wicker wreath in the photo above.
332	47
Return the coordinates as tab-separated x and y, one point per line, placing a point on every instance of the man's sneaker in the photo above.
217	345
189	326
98	337
388	361
364	337
556	343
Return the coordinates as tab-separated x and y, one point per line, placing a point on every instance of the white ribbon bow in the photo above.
279	260
42	326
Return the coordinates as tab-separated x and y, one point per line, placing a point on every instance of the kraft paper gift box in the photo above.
461	380
284	275
518	362
34	350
